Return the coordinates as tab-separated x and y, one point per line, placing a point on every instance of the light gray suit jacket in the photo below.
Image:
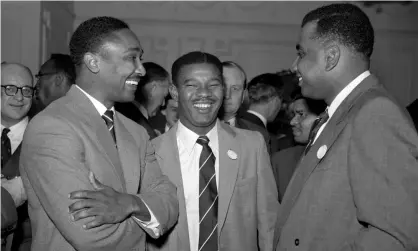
357	187
248	202
61	145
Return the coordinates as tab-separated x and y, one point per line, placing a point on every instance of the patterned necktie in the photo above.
322	119
108	118
208	198
6	147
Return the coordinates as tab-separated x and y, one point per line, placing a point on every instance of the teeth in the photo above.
131	82
202	106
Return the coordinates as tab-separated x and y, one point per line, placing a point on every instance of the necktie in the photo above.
108	118
208	198
6	148
322	119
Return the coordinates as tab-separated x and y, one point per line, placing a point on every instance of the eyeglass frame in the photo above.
17	90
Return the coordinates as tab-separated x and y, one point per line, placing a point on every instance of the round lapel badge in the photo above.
321	152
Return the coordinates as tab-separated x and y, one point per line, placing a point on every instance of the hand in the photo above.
104	205
15	188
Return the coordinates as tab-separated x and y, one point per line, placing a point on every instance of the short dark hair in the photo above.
345	23
265	86
232	64
194	57
315	106
64	64
154	72
91	34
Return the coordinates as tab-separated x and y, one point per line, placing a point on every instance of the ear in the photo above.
92	62
332	56
59	79
173	92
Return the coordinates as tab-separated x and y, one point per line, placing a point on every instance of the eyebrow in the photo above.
193	79
135	49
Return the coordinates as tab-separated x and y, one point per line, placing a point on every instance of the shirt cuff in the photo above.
152	224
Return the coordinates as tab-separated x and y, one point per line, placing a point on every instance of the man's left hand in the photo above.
105	205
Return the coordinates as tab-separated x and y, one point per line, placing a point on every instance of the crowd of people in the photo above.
105	152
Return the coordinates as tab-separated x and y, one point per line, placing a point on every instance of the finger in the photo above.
82	204
97	222
85	194
96	184
82	214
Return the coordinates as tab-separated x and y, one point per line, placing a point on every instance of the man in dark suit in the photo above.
149	97
265	97
356	186
83	165
16	100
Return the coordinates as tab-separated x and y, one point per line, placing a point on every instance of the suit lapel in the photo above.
129	156
89	115
167	155
228	170
327	138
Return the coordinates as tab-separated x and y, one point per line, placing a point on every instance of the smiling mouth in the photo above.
132	82
203	107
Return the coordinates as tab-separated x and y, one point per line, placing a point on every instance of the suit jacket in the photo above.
248	125
284	164
247	192
66	141
8	219
132	112
357	187
23	231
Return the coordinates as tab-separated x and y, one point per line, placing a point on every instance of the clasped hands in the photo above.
104	205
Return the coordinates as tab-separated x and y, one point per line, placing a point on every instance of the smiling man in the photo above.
356	186
225	185
92	179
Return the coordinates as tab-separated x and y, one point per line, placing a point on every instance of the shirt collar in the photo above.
18	128
231	121
264	120
101	108
345	92
188	138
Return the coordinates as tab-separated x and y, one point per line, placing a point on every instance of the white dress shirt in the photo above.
343	94
15	186
189	152
261	117
153	224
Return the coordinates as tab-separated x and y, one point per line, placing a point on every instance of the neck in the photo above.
229	116
10	122
95	93
199	130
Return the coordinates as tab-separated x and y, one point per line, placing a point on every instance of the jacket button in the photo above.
296	242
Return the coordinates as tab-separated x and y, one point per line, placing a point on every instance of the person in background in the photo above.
303	113
17	93
149	97
170	112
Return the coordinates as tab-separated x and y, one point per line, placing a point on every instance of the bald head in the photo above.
16	93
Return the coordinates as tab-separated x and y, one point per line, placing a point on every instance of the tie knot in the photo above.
203	140
5	132
108	116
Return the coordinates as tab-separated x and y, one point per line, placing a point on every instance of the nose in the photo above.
227	93
203	91
140	68
294	121
295	64
18	95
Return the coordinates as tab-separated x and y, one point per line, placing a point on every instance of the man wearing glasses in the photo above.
16	100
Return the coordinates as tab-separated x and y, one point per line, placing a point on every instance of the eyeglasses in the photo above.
11	90
39	75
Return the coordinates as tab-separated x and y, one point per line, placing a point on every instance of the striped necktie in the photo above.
208	198
322	119
108	118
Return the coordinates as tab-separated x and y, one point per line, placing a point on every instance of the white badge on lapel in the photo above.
232	154
321	152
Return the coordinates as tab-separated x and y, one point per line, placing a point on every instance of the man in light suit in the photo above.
356	186
82	167
244	209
